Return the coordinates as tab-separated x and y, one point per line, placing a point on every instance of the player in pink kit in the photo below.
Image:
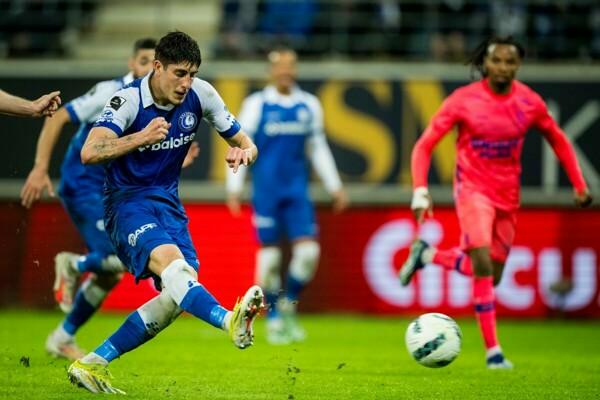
493	115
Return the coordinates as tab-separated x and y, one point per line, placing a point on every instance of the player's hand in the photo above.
191	155
236	157
156	131
421	204
46	105
340	201
37	181
234	204
583	199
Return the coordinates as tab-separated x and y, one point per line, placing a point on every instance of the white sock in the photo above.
93	358
227	321
427	255
61	335
492	351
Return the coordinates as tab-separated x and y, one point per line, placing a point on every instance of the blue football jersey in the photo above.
280	127
78	180
156	168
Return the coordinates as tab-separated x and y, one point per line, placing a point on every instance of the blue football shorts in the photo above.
87	213
276	217
138	225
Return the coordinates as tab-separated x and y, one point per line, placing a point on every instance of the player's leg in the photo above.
140	326
503	237
197	300
180	282
300	223
421	254
87	215
268	263
268	277
91	294
477	217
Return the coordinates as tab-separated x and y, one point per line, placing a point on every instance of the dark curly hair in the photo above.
144	44
478	55
176	48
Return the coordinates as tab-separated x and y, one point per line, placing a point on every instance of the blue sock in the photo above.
294	287
129	336
200	303
271	300
82	311
91	262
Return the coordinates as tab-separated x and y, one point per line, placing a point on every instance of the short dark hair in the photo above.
176	48
478	55
144	44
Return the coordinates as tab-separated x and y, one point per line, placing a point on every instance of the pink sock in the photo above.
453	259
485	311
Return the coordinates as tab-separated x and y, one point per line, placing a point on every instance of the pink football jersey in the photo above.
491	131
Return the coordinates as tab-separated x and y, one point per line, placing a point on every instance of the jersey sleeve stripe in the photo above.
235	128
113	127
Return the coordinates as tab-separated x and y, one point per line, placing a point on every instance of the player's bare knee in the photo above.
305	257
268	266
162	256
498	270
482	263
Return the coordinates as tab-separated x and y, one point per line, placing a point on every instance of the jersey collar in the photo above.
273	96
147	99
127	79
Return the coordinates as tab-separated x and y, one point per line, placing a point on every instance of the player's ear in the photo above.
157	65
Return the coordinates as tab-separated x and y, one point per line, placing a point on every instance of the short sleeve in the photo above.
120	110
214	111
87	108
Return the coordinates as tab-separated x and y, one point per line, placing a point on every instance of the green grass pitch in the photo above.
345	357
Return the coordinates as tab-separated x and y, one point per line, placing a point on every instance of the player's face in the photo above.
141	62
283	70
501	64
175	81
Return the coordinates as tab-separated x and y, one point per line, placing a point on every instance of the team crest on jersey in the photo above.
187	121
107	116
116	102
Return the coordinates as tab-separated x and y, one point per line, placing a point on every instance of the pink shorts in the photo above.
483	225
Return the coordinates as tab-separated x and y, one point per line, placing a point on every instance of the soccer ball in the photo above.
433	340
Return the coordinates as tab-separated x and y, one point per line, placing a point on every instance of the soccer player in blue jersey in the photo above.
287	125
81	193
143	135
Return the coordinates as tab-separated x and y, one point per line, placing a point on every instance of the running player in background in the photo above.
145	131
493	115
283	120
80	190
46	105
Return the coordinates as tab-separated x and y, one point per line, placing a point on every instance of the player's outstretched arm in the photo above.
441	123
565	153
17	106
38	179
243	151
103	144
324	165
